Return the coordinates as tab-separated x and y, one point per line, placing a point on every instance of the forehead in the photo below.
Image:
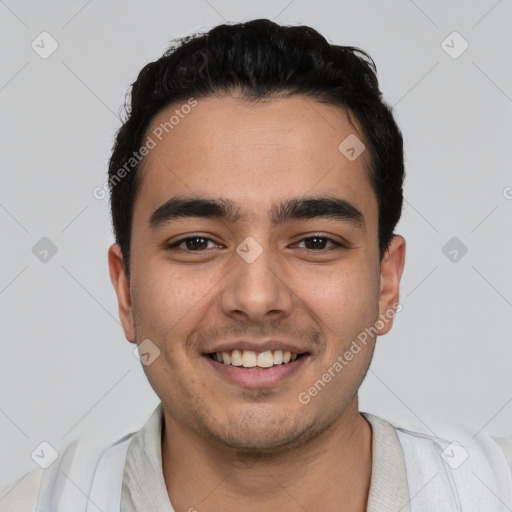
254	153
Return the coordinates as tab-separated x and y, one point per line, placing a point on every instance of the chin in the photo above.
261	433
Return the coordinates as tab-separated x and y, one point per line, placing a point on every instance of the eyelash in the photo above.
175	245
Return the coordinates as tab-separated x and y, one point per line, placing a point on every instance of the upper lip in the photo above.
256	346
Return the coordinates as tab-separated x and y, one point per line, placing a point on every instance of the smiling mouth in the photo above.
251	359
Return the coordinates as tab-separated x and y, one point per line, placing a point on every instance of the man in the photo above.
255	187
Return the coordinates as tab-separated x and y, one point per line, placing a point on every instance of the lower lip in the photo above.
258	377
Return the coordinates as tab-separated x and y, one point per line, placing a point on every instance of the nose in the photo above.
257	291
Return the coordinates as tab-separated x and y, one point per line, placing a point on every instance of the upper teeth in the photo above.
250	359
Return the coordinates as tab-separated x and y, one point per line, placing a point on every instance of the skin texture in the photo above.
225	446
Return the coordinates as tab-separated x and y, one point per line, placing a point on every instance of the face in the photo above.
284	258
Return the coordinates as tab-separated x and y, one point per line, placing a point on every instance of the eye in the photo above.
317	242
192	244
200	243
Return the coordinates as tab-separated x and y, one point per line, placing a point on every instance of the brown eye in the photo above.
193	244
319	242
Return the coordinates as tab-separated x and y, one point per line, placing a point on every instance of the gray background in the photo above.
65	366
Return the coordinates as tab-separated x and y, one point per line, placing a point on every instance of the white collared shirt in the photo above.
144	489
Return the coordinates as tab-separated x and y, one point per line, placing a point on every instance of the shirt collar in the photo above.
388	486
144	488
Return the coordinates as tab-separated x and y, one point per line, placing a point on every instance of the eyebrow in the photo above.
297	208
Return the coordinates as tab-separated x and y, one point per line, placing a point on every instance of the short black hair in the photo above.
260	59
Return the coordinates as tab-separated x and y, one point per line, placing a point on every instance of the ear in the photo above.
122	288
391	269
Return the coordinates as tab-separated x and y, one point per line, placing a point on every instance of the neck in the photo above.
331	472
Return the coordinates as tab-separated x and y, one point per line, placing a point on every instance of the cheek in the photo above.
170	295
170	306
343	299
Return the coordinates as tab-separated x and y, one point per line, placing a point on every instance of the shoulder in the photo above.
449	434
72	471
464	467
77	462
505	443
21	495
